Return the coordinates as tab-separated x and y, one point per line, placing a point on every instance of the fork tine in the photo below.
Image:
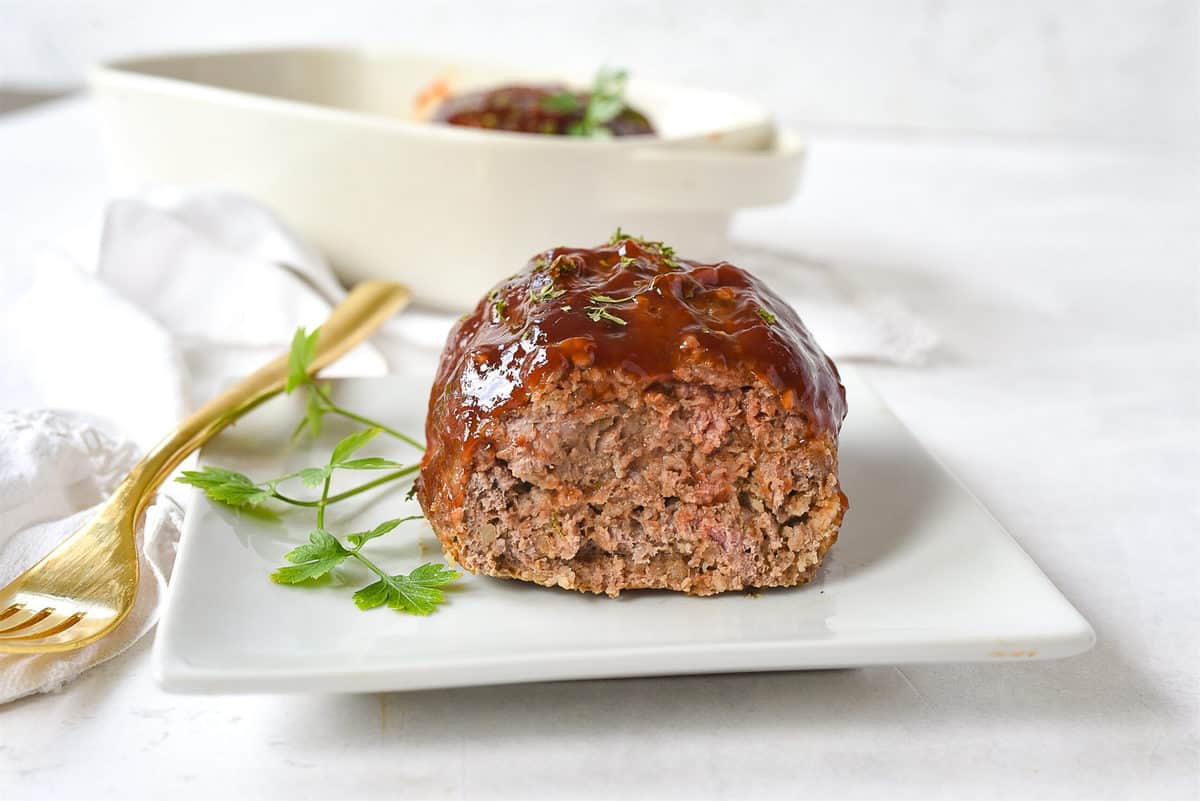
57	628
34	619
11	610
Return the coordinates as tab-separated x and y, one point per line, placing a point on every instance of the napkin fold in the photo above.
191	290
850	324
226	279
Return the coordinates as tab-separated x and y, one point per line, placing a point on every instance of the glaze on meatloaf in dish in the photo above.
620	418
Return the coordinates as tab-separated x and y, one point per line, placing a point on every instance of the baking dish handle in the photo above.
711	178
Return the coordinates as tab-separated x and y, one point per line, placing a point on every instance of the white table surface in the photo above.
1064	284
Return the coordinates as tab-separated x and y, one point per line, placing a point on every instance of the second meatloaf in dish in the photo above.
619	418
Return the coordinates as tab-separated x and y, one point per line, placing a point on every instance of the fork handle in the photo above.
366	308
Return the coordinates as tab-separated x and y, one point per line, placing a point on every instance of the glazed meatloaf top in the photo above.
630	305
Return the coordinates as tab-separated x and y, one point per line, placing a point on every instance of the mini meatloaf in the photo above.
619	418
538	109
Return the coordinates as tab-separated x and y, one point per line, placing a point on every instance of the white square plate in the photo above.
920	573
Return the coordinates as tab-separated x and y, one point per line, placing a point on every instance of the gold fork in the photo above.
85	586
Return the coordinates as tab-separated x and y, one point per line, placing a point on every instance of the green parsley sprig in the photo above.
418	592
604	104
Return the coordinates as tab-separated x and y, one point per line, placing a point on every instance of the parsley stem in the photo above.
401	473
374	568
324	500
333	407
350	493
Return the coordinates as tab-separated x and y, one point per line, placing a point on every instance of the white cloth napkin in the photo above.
189	291
55	467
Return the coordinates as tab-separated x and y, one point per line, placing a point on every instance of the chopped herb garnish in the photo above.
768	318
547	292
561	265
608	299
664	250
598	313
501	307
626	261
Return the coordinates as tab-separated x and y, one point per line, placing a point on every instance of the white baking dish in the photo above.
332	140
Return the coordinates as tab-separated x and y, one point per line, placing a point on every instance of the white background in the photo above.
1022	174
1121	70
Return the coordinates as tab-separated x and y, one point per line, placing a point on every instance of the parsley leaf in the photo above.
361	537
417	593
312	561
313	476
369	463
226	486
352	443
767	317
563	102
304	348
